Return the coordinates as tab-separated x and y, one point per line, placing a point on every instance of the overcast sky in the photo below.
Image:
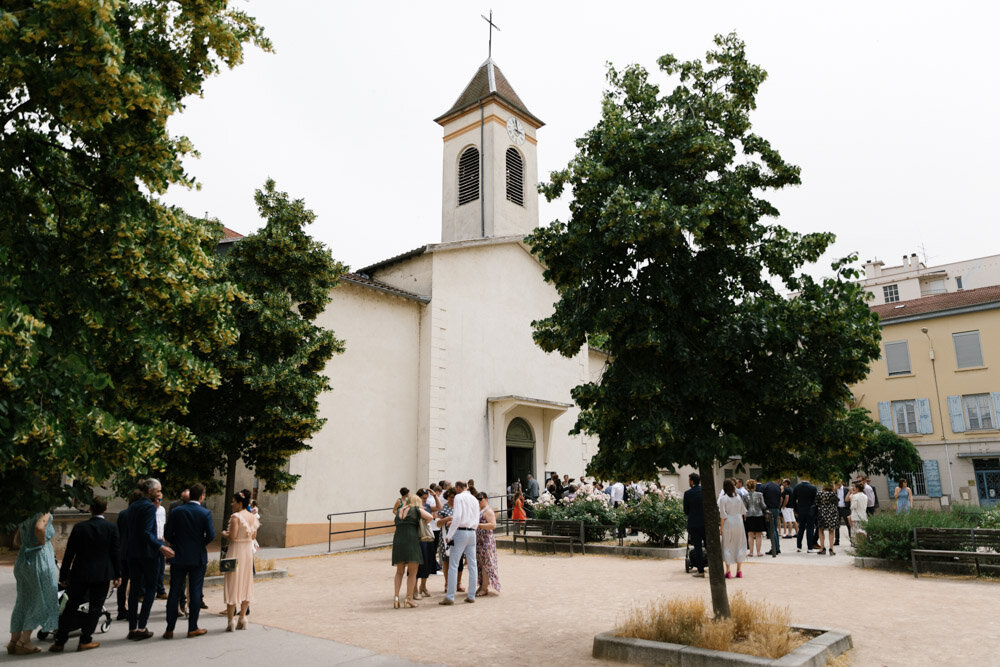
890	108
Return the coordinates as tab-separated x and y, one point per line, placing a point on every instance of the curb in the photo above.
814	653
220	578
662	553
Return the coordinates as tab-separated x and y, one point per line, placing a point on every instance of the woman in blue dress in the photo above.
37	583
904	497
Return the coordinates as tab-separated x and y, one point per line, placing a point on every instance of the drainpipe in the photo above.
937	393
482	171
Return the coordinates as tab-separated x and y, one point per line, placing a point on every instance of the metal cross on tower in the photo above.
492	25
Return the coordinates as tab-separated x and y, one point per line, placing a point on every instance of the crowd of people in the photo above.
128	555
748	511
444	528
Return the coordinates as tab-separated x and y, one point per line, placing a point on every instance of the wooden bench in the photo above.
553	532
955	544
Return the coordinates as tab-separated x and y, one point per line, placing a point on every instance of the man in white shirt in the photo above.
870	492
161	521
462	535
617	494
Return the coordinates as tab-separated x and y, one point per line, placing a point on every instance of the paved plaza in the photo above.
337	609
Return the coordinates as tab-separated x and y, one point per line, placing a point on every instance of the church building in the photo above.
441	378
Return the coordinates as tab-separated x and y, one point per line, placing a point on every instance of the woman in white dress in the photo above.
859	509
734	537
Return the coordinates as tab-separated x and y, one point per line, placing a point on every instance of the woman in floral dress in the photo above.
37	602
486	548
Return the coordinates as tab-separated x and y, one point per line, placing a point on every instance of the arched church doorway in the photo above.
520	451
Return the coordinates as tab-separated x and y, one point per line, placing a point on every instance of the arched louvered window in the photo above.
515	176
468	176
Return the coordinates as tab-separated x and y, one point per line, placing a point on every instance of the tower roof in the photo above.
488	81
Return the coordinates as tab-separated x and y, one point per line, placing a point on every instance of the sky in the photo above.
889	108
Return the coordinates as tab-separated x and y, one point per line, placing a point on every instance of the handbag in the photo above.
426	534
228	564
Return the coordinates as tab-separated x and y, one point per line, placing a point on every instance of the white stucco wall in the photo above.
368	445
485	298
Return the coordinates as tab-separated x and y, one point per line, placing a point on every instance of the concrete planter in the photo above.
828	643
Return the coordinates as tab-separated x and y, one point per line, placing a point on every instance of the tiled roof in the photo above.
371	268
488	80
365	281
228	235
938	303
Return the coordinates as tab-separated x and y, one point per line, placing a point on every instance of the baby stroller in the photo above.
103	624
688	563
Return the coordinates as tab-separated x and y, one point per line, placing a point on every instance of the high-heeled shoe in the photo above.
229	627
409	602
241	624
10	648
395	602
21	649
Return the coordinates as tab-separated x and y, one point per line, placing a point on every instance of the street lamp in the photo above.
937	393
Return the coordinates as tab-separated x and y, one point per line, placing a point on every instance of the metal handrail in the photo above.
501	514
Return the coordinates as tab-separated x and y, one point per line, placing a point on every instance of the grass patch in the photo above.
261	564
755	628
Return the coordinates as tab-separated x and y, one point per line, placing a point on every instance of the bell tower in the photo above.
490	161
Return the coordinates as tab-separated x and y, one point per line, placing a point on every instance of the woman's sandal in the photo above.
409	603
241	624
395	602
21	649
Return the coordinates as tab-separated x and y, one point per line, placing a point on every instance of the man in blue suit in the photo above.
695	522
189	530
143	550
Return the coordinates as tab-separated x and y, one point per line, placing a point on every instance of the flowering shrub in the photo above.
660	517
990	519
591	508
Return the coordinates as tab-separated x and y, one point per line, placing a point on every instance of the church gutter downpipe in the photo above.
482	171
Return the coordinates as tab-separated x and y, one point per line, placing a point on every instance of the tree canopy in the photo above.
672	257
104	302
266	405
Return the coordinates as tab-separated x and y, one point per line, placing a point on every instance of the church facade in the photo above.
441	377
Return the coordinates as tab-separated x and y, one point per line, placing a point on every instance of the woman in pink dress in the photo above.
238	586
486	547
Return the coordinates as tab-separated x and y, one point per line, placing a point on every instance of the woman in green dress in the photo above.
406	553
37	583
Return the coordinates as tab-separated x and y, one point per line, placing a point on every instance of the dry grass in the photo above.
754	628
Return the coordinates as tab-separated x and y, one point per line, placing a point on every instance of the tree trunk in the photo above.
713	540
227	504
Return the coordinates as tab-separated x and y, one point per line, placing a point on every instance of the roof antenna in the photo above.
492	25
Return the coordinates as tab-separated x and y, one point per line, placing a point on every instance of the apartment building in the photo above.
938	384
912	279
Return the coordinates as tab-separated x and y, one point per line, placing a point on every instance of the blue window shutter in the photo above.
956	414
996	409
885	414
932	477
924	415
891	483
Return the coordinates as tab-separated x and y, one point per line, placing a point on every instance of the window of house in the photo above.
515	177
968	351
468	176
890	293
958	282
978	412
897	357
917	482
904	416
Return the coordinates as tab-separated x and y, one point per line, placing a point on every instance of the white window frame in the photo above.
963	336
890	293
909	408
980	405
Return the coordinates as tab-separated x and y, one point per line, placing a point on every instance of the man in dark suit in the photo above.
189	529
772	500
804	497
123	556
695	522
90	562
144	550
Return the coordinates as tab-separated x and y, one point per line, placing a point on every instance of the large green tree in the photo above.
668	254
104	301
266	406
